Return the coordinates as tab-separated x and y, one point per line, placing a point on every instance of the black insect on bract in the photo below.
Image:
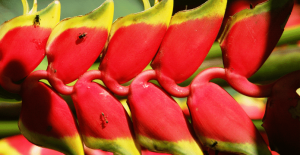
82	35
214	144
36	20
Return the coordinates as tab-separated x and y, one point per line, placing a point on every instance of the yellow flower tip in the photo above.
100	18
146	4
25	7
48	18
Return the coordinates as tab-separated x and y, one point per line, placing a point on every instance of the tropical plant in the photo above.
175	45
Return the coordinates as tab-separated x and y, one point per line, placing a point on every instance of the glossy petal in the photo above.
188	39
251	35
103	122
75	43
133	42
22	42
47	121
159	122
221	124
19	145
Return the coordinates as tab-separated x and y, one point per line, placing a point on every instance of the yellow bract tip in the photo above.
189	147
6	149
46	18
119	146
101	18
159	14
210	9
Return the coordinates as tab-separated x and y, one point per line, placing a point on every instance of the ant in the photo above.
104	120
214	144
36	20
82	35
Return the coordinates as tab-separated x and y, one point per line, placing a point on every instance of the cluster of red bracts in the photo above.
157	123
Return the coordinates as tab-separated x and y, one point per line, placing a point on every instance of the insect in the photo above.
104	120
82	35
251	6
214	144
36	20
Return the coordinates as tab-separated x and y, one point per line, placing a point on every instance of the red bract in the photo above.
219	121
247	41
18	144
133	42
22	44
294	19
46	119
158	121
103	122
75	43
188	39
235	6
281	120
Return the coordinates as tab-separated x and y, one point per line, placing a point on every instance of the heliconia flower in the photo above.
103	122
247	41
159	122
19	145
219	121
189	38
133	42
46	120
22	44
75	43
282	116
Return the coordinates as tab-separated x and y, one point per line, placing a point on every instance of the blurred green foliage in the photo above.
69	8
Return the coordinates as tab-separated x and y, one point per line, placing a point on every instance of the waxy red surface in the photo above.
92	101
21	51
156	115
45	112
130	50
69	56
250	41
216	115
184	48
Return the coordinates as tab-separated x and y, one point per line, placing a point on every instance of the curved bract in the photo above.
22	43
133	42
221	124
79	39
188	40
281	120
46	120
103	122
251	35
159	122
